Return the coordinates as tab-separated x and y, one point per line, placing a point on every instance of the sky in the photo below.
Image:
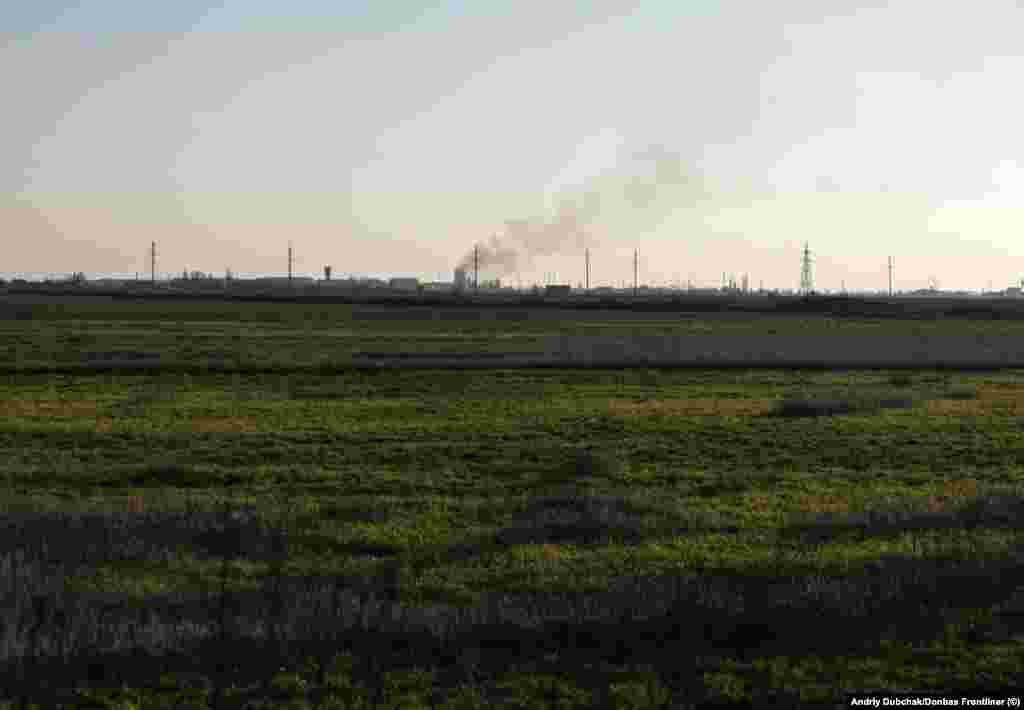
389	138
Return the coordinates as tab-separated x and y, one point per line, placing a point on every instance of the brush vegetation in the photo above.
572	539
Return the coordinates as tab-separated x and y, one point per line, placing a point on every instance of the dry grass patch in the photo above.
954	493
691	407
986	399
958	408
48	408
1000	390
825	504
551	553
760	503
961	488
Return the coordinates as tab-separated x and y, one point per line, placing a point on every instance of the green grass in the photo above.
713	522
284	335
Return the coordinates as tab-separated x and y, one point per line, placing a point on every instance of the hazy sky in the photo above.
387	137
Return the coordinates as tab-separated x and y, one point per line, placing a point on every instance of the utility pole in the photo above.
476	268
636	271
289	263
152	263
588	270
890	277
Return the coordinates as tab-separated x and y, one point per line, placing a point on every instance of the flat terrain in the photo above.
41	333
499	538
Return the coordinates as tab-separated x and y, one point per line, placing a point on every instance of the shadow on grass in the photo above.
801	407
715	615
241	637
868	402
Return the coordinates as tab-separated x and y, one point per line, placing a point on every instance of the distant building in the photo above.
557	290
460	279
405	284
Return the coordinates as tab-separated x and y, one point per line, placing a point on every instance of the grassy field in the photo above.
37	332
277	535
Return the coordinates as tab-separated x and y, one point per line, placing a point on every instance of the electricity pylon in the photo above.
806	280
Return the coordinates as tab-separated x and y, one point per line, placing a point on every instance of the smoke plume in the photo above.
635	195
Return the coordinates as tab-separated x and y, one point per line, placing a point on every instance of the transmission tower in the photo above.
806	280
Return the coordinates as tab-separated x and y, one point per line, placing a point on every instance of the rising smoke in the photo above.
633	196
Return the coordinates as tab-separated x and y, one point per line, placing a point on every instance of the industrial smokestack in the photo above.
588	270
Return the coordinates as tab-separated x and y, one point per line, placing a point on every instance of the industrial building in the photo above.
460	279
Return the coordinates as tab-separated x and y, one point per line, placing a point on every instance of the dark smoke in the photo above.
638	195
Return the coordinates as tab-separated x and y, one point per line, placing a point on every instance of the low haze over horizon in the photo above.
388	138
